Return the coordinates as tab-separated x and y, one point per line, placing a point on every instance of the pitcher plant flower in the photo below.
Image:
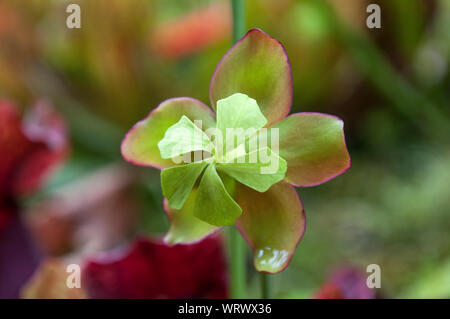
149	268
218	167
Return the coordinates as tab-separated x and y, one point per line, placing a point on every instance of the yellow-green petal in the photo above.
178	181
239	111
184	226
183	137
258	169
214	204
140	145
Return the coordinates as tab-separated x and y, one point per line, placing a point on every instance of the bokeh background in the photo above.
391	86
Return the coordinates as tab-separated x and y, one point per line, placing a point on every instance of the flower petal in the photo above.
239	111
260	172
183	137
313	145
214	204
140	145
184	226
177	182
257	65
151	269
272	223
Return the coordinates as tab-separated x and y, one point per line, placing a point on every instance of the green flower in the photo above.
231	181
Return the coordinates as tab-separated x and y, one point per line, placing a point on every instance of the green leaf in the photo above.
257	65
183	137
272	223
184	226
178	181
240	112
259	169
214	205
140	145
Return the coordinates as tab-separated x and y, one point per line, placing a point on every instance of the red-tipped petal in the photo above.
272	223
314	147
257	65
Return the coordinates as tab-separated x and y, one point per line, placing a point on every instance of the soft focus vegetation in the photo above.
391	86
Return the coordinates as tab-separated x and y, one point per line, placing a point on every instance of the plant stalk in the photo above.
238	12
266	286
237	264
237	244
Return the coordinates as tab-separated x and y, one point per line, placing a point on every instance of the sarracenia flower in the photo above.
148	268
237	166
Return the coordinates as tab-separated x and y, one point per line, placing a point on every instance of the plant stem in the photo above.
237	269
238	11
237	245
266	287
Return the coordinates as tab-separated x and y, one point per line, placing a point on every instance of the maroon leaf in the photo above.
152	269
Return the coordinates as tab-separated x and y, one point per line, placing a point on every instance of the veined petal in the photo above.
272	223
257	65
214	204
178	181
313	145
183	137
239	111
184	226
140	145
259	169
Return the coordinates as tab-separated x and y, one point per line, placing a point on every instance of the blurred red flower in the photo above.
193	32
153	269
30	147
346	283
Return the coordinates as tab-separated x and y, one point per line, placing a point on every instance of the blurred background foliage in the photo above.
390	85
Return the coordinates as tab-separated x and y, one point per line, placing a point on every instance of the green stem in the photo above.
237	269
238	10
237	244
266	287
